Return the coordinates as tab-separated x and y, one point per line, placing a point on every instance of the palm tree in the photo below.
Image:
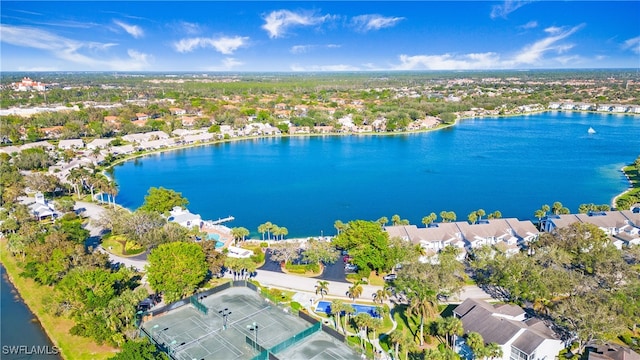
322	287
381	295
355	291
283	232
429	219
480	213
383	221
339	225
472	218
449	327
363	321
493	351
556	207
475	343
348	312
337	308
423	302
239	233
262	228
395	220
275	230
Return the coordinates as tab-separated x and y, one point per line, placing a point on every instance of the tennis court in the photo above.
187	333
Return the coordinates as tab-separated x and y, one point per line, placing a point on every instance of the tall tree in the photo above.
239	233
162	200
355	291
367	243
322	288
176	269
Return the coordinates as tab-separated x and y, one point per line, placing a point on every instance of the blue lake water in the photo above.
21	335
514	165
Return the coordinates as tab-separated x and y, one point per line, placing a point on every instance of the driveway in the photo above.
270	265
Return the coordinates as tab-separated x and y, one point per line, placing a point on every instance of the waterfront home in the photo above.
42	208
98	144
554	106
619	108
70	144
586	107
122	150
622	226
299	130
155	144
432	239
508	327
568	106
552	222
490	232
604	107
185	218
197	138
148	136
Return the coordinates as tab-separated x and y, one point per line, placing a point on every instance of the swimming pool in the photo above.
325	307
216	237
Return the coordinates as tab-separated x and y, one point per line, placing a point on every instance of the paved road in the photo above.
337	288
331	272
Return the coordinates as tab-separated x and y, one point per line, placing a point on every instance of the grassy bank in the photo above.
36	297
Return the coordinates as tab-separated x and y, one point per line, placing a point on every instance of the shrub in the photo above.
264	244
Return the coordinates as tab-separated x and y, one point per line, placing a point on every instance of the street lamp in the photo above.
225	316
254	327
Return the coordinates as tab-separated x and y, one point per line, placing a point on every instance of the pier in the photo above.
222	220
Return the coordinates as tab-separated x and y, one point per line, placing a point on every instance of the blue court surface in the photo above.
325	307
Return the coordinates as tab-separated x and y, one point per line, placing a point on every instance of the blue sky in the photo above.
318	36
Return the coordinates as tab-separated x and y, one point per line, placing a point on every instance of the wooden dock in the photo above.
222	220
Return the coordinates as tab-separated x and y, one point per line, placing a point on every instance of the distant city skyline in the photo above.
264	36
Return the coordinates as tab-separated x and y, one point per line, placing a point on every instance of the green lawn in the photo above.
113	244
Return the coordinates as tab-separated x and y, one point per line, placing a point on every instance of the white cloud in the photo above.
89	55
225	45
448	61
184	27
529	25
507	8
278	22
133	30
226	65
330	68
302	49
633	44
364	23
533	53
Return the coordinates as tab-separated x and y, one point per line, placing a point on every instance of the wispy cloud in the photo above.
188	28
632	44
332	68
529	25
533	53
448	61
302	49
364	23
225	45
133	30
226	65
507	8
81	53
278	22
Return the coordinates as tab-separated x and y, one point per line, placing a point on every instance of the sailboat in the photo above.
591	131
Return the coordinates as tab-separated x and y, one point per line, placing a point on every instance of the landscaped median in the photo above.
39	299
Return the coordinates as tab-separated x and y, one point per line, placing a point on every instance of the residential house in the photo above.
142	117
113	121
185	218
554	106
586	107
122	150
177	111
299	130
196	138
42	208
507	326
189	121
568	106
139	123
622	226
70	144
525	231
98	144
490	232
604	107
610	352
619	108
432	239
43	144
151	135
155	144
52	132
552	222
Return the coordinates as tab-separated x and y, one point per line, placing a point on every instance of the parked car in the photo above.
390	277
346	258
351	267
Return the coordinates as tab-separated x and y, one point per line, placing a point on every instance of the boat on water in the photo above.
591	131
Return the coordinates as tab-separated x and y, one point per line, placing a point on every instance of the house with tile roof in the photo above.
520	338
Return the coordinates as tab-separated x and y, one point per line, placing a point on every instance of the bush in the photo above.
264	244
296	306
